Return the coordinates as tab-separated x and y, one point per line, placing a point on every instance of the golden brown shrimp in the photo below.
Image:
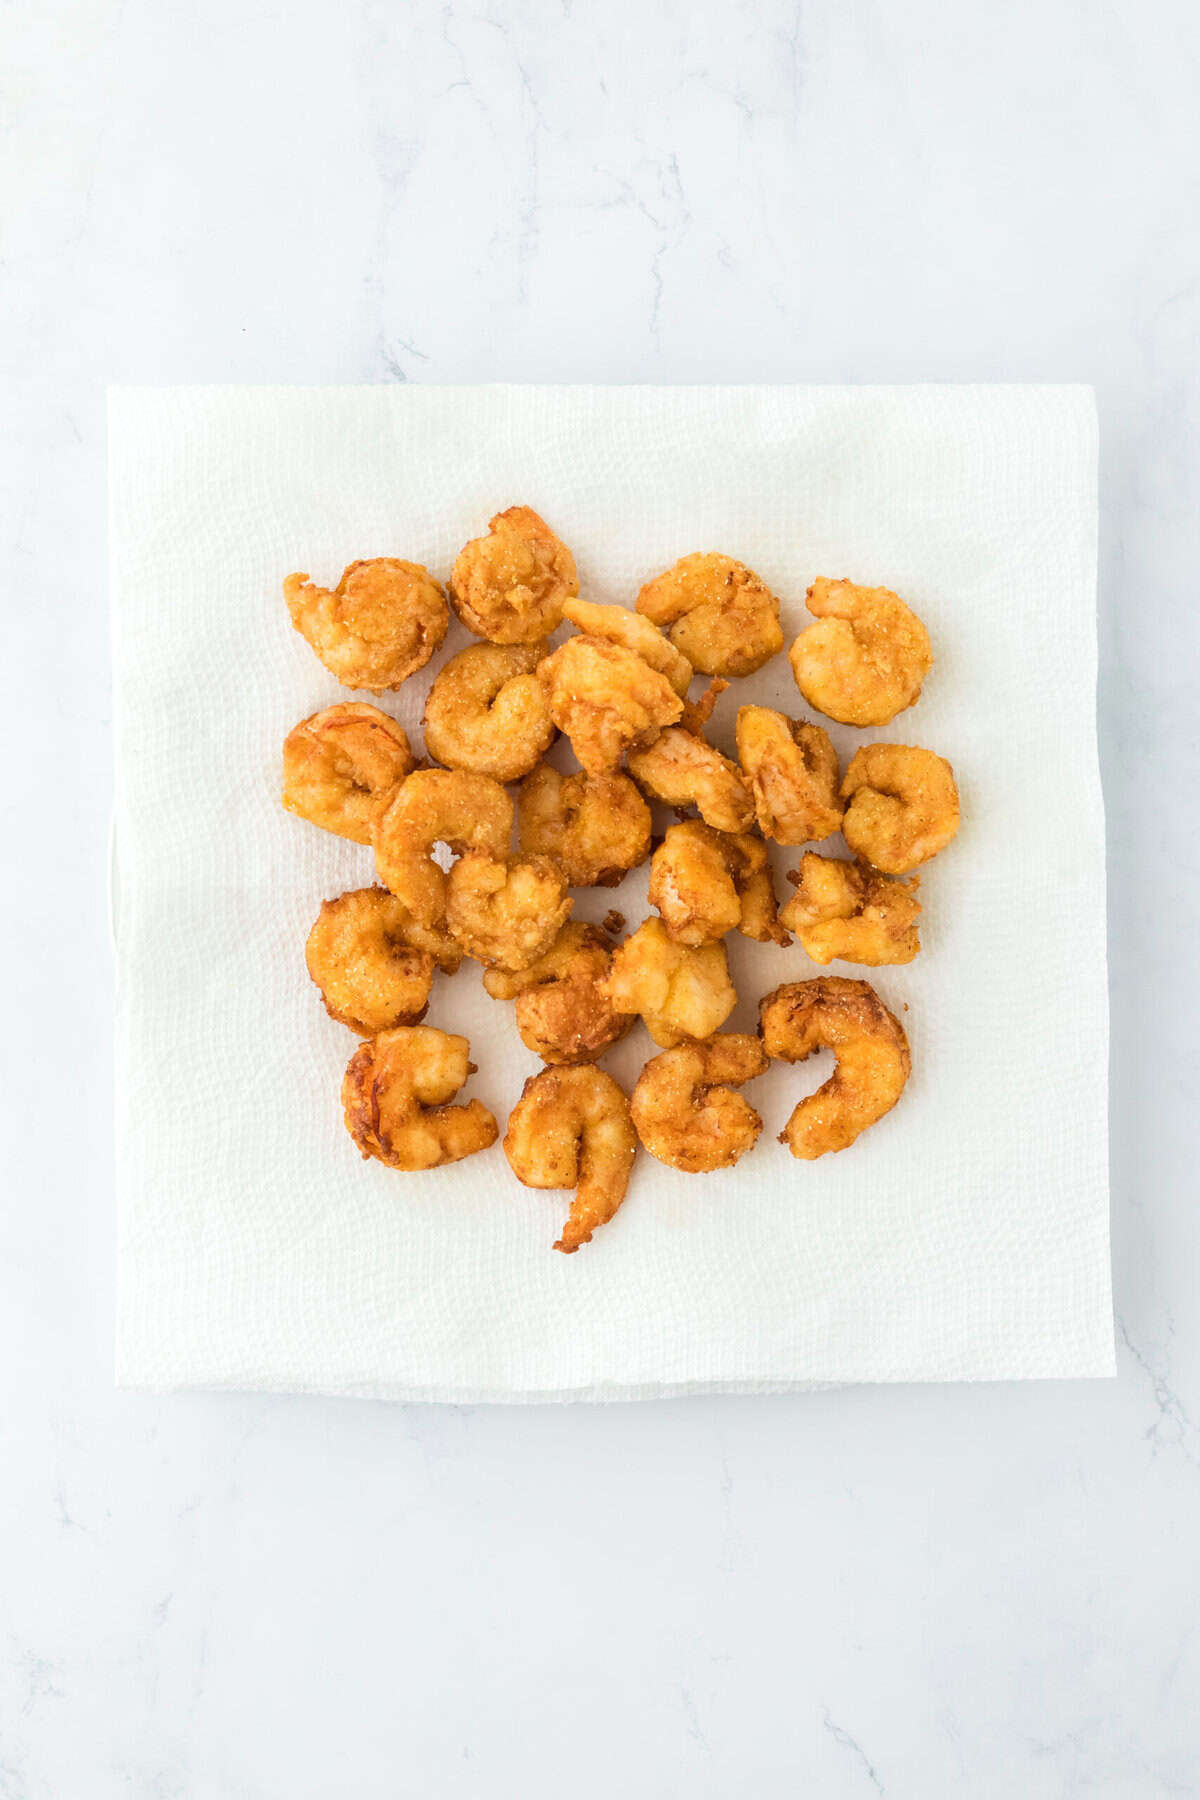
792	771
684	1108
846	911
723	618
865	658
438	806
873	1061
680	991
510	585
434	941
571	1129
505	912
370	976
395	1093
705	883
342	766
487	711
903	805
562	1013
617	625
683	769
691	885
382	622
595	827
606	700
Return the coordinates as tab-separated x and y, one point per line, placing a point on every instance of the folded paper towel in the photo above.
963	1237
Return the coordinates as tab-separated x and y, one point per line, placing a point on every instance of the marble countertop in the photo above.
914	1592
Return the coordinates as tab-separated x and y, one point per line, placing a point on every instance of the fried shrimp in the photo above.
395	1093
705	883
487	711
792	771
571	1129
865	658
371	978
903	805
684	769
382	622
846	911
437	806
505	912
691	885
562	1012
617	625
510	585
596	827
684	1108
723	618
680	991
873	1060
607	700
342	766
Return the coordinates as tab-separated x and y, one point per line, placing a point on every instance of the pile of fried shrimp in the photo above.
478	843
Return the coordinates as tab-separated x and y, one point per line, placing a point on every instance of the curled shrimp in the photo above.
395	1092
359	954
683	769
903	805
846	911
510	585
437	806
342	766
873	1060
487	711
505	911
684	1108
705	883
596	827
792	771
866	657
381	623
681	991
617	625
571	1128
722	617
607	700
562	1012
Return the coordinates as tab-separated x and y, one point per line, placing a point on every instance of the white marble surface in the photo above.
913	1592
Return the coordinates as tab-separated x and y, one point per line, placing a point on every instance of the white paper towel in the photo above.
964	1237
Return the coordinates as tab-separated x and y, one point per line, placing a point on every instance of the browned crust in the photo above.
819	1013
345	1018
362	1086
360	1101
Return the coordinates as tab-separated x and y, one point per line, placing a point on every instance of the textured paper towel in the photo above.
965	1236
